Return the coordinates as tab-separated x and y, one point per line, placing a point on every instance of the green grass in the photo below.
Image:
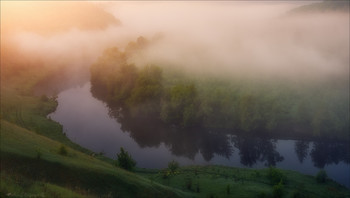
30	112
23	187
76	170
212	181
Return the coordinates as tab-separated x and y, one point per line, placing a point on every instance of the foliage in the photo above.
275	176
321	176
278	190
124	160
146	94
309	109
180	105
148	85
62	150
173	166
44	98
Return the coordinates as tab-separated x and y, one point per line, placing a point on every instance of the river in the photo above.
87	121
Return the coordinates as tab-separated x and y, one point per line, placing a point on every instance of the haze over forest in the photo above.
235	39
175	99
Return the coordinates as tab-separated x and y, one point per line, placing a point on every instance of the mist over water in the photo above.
256	41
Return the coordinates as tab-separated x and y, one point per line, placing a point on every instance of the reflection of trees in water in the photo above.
215	143
328	152
148	131
301	148
253	149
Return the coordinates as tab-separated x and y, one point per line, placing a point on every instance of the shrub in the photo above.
275	176
173	165
321	176
165	174
278	190
124	160
62	150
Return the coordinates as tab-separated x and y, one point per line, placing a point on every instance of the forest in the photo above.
278	107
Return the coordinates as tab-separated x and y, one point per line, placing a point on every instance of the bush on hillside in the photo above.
173	165
62	150
275	176
321	176
124	160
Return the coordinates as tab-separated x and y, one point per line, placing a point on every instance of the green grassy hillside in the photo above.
221	181
31	163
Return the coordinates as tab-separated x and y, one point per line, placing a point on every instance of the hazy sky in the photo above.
232	37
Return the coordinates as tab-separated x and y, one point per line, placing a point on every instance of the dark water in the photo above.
88	122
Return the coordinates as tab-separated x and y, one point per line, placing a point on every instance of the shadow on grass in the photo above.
74	178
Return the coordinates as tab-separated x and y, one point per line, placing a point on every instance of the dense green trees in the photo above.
309	109
147	91
180	105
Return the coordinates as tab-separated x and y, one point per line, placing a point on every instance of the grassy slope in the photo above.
21	170
213	181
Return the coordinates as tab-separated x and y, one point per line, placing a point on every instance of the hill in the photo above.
325	6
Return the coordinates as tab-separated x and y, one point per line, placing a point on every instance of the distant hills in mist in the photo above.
325	6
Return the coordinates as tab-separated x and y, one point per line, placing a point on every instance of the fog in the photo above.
235	39
240	38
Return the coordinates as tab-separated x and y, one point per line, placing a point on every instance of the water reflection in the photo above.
102	126
148	131
253	149
301	149
326	152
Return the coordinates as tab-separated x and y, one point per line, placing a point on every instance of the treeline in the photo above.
141	91
324	6
241	105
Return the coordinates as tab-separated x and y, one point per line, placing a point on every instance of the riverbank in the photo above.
76	174
28	137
